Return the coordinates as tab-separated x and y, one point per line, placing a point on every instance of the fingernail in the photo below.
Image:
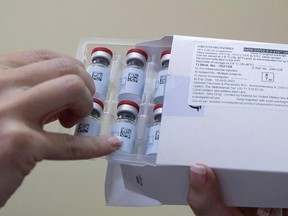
115	141
198	175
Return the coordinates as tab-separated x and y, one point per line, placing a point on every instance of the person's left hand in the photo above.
204	196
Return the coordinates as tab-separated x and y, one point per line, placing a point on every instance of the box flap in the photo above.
117	195
158	183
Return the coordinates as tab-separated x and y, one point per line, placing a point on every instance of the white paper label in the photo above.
160	86
101	78
127	132
154	135
132	81
239	75
88	127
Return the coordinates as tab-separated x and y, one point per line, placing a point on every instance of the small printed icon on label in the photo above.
198	108
139	180
267	77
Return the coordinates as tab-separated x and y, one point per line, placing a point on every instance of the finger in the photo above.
204	196
18	59
56	97
68	147
35	73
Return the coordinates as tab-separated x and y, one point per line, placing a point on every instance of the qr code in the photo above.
97	76
125	132
162	79
133	77
83	128
157	135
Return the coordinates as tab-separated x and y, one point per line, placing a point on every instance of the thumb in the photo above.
69	147
204	195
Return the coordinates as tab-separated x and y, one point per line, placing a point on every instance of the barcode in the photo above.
157	135
125	132
133	77
162	79
83	128
97	76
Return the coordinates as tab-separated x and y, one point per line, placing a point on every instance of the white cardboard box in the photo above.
226	105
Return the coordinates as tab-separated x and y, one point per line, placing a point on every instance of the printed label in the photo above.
239	75
160	86
127	132
88	127
154	135
101	78
132	81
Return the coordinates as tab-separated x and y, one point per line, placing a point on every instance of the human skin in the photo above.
204	195
37	87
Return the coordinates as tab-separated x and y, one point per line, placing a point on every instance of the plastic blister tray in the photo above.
118	63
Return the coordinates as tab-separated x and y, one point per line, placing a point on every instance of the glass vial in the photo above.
125	125
132	79
161	78
90	126
99	71
154	131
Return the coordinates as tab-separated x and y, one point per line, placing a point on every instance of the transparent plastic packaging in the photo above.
141	61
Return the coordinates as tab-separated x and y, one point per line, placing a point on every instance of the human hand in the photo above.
204	195
38	87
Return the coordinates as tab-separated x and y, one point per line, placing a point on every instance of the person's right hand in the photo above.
204	196
38	87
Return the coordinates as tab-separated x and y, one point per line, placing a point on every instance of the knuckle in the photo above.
74	84
41	54
72	151
76	149
65	66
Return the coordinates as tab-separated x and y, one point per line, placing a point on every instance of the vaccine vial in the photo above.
154	131
125	125
99	71
132	79
90	126
161	78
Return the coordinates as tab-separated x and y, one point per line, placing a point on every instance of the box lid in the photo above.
234	132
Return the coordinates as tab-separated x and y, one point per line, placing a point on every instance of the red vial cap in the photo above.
128	102
165	53
157	106
165	56
103	49
157	111
142	52
95	100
